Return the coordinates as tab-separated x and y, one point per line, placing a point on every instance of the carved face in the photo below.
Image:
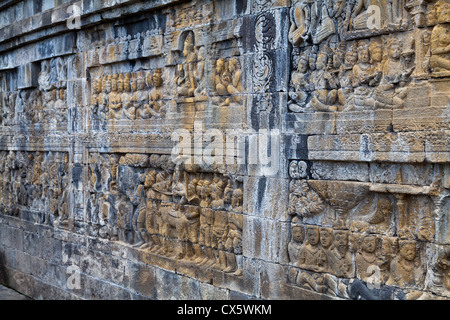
341	238
408	251
302	66
302	169
293	170
369	244
363	55
233	65
350	59
120	86
325	237
220	65
395	51
312	235
376	53
297	234
322	61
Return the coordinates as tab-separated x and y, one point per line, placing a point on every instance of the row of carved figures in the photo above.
130	96
155	178
316	21
33	181
374	259
206	237
367	74
26	107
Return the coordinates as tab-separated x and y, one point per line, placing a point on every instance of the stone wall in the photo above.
229	149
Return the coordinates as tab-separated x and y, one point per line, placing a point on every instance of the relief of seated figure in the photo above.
440	48
325	95
391	92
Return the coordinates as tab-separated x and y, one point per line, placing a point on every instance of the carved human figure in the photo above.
299	82
133	105
391	91
293	170
325	94
326	241
218	235
115	106
153	224
200	72
237	201
376	59
345	76
232	242
233	84
311	256
368	263
102	99
191	192
296	242
96	89
140	98
443	266
124	220
222	77
228	194
155	105
191	222
44	76
340	257
403	268
205	193
361	71
185	79
217	189
440	48
205	237
126	97
300	15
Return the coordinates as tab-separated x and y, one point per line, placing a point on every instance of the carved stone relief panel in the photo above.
151	203
36	182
